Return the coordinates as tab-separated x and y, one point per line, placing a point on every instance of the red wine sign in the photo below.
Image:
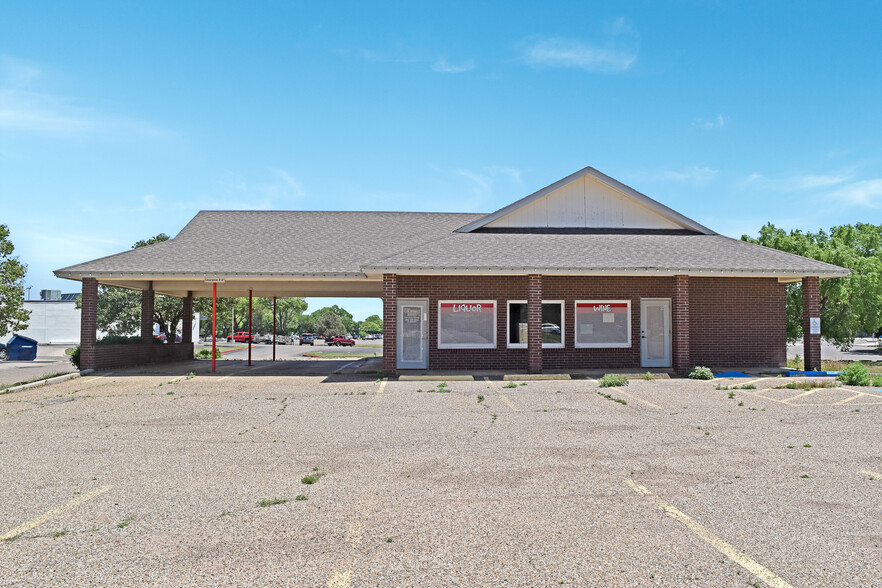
602	307
473	308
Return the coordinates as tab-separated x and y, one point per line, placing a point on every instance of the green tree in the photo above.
848	305
329	324
13	315
345	316
372	325
119	309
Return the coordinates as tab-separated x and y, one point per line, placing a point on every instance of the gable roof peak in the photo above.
589	199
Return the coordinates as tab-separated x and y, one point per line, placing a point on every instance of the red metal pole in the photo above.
274	328
250	339
213	323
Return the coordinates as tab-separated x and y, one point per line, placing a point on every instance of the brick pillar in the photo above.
147	298
390	331
811	308
680	325
534	323
187	318
88	323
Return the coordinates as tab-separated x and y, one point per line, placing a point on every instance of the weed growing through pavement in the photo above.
741	403
124	523
791	446
610	397
225	513
523	383
731	395
442	385
311	478
480	398
271	502
389	540
315	469
510	385
647	376
804	476
301	497
806	385
610	380
807	445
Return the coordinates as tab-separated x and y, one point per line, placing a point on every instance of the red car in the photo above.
243	337
339	340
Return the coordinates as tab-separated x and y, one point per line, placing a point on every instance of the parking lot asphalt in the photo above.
51	360
175	476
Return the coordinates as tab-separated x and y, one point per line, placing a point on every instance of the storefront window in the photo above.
603	323
466	324
552	324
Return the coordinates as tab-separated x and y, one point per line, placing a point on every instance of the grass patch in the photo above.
510	385
311	478
271	502
32	380
610	380
125	522
610	397
339	354
806	385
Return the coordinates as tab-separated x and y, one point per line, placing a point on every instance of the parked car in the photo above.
339	341
307	339
280	339
243	337
163	338
4	355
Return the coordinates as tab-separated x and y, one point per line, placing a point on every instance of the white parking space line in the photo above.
849	399
806	393
726	549
503	397
873	474
638	399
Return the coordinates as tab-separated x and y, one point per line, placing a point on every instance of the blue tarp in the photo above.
733	375
814	374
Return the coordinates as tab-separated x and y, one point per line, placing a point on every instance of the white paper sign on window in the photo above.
604	323
466	324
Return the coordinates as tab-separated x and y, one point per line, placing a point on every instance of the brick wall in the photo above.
737	322
811	307
110	356
732	321
390	320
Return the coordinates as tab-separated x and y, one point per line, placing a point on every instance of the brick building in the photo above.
585	273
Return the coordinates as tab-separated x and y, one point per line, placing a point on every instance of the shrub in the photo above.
854	374
119	340
75	357
877	381
610	380
205	353
701	373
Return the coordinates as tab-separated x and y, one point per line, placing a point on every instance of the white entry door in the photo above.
413	334
655	332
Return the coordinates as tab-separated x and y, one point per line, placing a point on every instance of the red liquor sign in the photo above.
473	308
587	308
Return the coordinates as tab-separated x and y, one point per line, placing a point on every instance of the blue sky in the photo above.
118	122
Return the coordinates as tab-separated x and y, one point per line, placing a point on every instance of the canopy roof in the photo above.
585	224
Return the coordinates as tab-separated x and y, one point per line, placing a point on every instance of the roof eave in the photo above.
374	272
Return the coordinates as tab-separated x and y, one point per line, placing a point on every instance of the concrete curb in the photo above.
45	382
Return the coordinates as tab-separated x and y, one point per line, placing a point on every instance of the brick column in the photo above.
680	325
811	307
187	318
147	298
88	323
390	331
534	323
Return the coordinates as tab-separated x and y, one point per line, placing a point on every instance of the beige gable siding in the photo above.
585	203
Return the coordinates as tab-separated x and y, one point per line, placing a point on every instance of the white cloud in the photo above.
616	52
294	189
694	174
149	202
444	67
798	183
716	122
866	193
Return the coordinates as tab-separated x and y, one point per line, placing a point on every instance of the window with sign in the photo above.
467	324
552	323
603	323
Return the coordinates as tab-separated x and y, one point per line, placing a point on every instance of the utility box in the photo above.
50	295
21	348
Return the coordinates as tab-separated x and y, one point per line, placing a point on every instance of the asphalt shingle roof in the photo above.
350	244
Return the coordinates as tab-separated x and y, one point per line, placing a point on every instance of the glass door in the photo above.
655	332
413	334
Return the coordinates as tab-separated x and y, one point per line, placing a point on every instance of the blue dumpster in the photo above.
21	348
